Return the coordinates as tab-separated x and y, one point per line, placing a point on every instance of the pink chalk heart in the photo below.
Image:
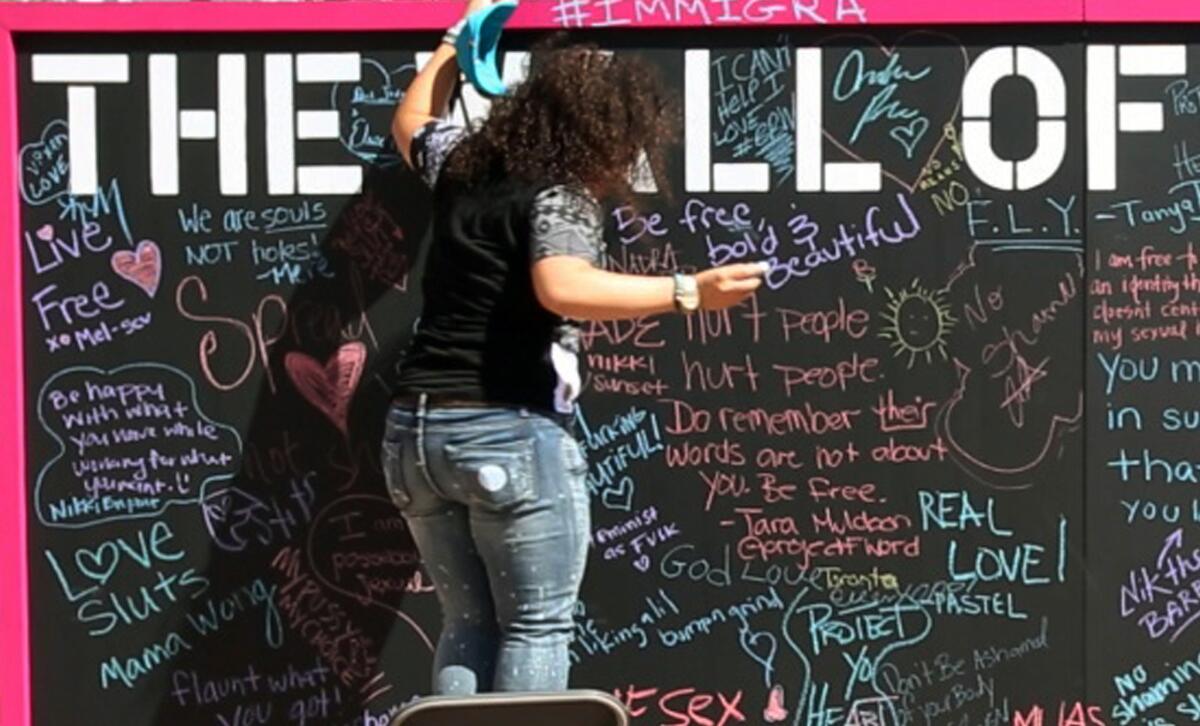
143	267
45	232
775	710
329	387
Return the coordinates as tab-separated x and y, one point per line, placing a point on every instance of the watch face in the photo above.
687	293
690	300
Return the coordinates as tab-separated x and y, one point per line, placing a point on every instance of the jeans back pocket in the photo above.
393	474
495	470
574	457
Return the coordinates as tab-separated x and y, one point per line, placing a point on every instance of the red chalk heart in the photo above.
143	267
329	387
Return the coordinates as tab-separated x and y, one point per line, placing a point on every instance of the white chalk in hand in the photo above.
765	267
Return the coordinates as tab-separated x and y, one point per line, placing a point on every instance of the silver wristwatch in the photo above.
452	33
687	293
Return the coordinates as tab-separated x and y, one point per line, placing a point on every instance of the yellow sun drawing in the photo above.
918	322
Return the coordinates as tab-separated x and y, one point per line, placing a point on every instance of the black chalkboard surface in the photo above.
1142	504
858	498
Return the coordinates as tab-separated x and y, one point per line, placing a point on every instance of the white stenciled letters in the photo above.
811	170
1051	107
81	71
285	125
169	124
701	175
1105	117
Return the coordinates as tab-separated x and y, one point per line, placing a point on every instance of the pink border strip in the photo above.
532	14
14	612
1142	11
325	17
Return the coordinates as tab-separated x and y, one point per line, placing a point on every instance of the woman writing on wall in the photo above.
479	453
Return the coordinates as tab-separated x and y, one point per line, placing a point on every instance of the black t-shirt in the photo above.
482	335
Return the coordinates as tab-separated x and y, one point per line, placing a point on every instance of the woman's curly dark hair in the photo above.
581	116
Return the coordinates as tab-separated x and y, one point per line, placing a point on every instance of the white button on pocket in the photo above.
492	477
493	470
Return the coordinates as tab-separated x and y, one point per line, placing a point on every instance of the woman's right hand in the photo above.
721	287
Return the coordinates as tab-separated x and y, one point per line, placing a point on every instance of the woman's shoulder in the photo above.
565	202
431	145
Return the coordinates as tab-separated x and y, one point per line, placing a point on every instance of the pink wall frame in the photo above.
350	15
1143	11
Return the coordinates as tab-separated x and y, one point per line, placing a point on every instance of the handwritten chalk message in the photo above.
132	441
855	499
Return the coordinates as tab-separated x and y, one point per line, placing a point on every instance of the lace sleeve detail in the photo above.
431	144
566	221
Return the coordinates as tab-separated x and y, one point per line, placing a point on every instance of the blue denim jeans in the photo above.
496	500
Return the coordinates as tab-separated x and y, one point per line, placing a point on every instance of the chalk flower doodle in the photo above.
918	322
329	388
879	99
864	273
131	441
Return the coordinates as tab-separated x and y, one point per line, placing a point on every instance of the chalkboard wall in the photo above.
863	497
